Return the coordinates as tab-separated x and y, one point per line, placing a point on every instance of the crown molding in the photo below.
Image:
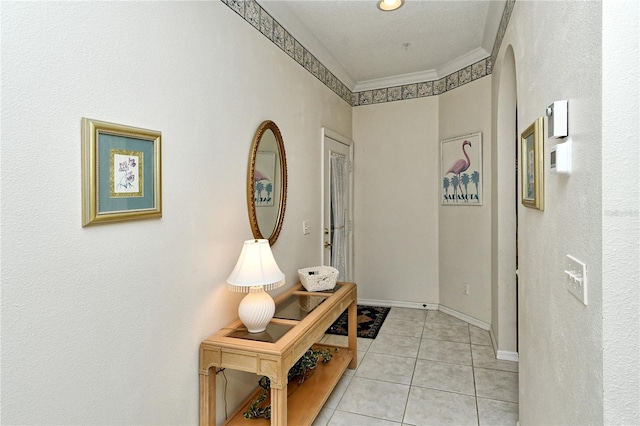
397	80
451	67
461	62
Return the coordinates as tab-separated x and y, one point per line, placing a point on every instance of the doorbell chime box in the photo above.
558	118
560	158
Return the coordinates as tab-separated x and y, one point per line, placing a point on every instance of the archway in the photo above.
504	213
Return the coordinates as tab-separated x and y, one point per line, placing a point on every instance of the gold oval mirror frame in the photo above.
267	182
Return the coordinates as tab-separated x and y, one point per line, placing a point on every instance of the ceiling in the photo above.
367	48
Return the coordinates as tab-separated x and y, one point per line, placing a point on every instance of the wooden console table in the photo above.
300	321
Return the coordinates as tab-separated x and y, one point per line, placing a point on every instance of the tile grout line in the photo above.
421	335
473	373
415	365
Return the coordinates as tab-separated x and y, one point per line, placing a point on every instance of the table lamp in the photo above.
255	272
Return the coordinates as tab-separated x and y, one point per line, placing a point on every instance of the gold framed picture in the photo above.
532	165
121	173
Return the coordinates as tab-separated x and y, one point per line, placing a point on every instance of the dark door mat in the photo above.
370	319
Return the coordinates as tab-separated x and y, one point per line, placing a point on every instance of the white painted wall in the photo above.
101	325
465	231
557	49
395	202
410	240
620	212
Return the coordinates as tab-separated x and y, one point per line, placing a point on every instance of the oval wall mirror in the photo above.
267	182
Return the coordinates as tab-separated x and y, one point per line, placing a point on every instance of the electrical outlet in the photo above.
576	280
466	290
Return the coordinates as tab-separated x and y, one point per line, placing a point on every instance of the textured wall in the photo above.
101	325
557	49
395	202
620	212
410	239
465	231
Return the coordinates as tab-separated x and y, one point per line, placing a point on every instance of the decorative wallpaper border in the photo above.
254	14
506	15
260	19
427	88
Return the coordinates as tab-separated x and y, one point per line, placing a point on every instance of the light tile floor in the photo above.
424	368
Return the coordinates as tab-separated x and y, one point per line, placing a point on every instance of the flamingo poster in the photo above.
461	171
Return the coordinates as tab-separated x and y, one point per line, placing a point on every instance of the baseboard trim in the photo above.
508	356
426	306
501	355
466	318
398	304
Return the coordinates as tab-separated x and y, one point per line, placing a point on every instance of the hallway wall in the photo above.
432	250
621	212
101	325
395	201
557	49
465	231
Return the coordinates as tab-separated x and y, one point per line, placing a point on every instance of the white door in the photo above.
337	219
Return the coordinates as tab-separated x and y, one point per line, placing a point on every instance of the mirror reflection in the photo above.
267	182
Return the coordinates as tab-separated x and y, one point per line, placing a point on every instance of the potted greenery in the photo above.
300	371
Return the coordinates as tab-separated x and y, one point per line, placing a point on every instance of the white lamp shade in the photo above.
255	272
256	266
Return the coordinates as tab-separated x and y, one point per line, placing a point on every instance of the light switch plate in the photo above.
576	280
306	227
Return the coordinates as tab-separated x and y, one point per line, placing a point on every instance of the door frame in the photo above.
327	133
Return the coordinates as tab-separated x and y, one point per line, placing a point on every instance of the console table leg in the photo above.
208	397
279	406
352	328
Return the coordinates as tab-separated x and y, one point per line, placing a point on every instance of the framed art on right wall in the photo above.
532	164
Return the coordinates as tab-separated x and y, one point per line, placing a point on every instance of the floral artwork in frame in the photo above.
121	173
126	172
264	179
532	161
461	171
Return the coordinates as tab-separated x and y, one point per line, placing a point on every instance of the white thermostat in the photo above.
560	160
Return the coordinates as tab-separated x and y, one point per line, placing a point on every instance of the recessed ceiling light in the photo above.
389	5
